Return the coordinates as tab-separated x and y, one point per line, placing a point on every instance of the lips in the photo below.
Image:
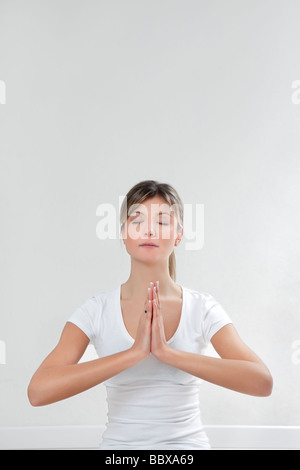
148	244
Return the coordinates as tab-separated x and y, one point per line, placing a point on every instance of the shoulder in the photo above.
207	312
200	298
88	314
107	295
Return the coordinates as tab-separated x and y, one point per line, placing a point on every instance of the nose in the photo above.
149	230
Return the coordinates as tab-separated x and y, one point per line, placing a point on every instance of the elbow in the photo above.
269	387
266	385
34	396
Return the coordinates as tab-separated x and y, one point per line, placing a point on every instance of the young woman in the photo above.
150	334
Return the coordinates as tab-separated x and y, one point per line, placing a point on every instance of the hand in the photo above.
142	342
159	345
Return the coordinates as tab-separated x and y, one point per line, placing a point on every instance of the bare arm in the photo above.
238	367
60	376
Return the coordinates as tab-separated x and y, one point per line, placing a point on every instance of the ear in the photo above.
123	233
179	236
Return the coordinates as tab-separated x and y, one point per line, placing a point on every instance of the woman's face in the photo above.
152	221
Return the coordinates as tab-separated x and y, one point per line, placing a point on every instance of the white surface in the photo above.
87	437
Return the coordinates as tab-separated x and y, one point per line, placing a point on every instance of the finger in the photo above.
155	302
157	292
156	297
157	311
149	310
157	321
150	296
151	290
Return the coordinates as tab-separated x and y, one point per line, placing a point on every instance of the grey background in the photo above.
103	94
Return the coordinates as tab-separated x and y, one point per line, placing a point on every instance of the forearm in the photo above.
247	377
52	384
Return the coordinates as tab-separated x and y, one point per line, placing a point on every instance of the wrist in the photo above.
171	356
165	354
136	354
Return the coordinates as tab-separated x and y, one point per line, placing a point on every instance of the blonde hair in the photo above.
148	189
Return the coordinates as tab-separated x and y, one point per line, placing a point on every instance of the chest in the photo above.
170	310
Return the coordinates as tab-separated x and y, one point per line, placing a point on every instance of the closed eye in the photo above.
160	223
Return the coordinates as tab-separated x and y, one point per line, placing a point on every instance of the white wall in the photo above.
103	94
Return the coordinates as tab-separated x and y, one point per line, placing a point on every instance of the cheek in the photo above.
133	233
167	233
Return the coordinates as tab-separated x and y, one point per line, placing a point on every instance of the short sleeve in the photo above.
214	319
85	317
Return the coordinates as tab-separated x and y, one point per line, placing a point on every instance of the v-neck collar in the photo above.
120	314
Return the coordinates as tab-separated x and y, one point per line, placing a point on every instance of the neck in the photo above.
142	274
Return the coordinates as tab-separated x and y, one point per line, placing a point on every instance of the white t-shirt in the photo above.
152	405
